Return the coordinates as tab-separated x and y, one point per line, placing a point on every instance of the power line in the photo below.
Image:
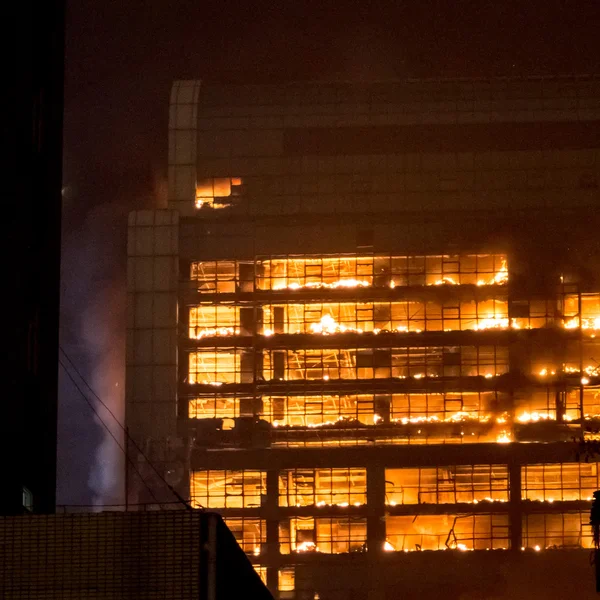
127	435
108	429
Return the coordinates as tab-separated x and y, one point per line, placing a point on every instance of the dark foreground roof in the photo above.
172	554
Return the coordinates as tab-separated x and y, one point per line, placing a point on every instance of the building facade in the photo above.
367	326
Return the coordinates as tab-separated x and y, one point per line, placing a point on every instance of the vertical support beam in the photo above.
278	319
247	320
246	278
271	513
183	360
581	366
375	509
375	527
247	366
514	510
278	357
273	580
382	405
560	404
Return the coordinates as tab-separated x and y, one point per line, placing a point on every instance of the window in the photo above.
309	364
591	402
377	317
557	530
384	363
218	192
251	534
579	358
318	272
589	305
559	481
209	320
286	580
322	487
533	313
213	276
344	271
321	420
330	536
228	489
212	407
440	532
449	407
215	367
447	485
316	411
261	572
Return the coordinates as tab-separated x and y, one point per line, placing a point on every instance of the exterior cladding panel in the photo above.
152	321
151	399
462	137
413	146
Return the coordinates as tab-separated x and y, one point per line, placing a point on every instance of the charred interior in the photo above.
376	343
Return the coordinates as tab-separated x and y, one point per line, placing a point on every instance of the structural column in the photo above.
270	512
514	511
375	509
375	526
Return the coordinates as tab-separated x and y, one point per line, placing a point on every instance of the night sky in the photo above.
121	57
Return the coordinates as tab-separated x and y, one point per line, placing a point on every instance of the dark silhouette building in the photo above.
168	554
32	142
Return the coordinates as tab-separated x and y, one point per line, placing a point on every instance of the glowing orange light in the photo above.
505	437
492	322
534	417
213	332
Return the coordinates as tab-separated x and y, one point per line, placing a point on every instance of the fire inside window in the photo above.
323	487
582	311
354	272
557	530
447	485
213	320
453	531
224	409
250	533
312	297
215	368
218	192
366	409
327	535
262	572
228	489
380	271
384	317
287	579
559	482
368	363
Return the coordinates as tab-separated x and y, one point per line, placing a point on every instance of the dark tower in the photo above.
31	260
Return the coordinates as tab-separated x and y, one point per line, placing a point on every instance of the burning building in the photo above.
368	325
